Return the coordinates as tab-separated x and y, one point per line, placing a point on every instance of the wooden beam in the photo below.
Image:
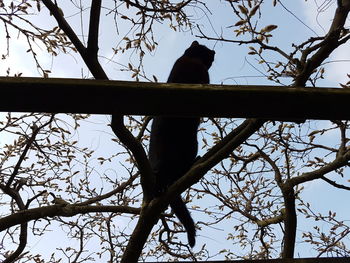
141	98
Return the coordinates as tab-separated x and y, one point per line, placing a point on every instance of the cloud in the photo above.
318	14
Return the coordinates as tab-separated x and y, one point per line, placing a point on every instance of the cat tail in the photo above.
181	211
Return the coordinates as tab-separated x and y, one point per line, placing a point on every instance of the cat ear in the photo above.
194	43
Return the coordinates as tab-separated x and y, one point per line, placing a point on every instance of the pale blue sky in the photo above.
230	67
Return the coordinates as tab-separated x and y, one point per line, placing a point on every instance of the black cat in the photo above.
173	143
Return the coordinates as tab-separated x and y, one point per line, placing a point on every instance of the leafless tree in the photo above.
255	169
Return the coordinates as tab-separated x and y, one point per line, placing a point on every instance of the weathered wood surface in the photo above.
140	98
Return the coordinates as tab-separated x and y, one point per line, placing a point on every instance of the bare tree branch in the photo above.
23	155
335	184
89	58
21	246
67	210
94	24
327	46
147	178
340	161
170	9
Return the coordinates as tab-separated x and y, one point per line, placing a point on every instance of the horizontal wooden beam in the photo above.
141	98
296	260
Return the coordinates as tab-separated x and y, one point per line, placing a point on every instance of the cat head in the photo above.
201	52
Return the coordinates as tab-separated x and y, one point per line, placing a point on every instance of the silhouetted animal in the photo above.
173	143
